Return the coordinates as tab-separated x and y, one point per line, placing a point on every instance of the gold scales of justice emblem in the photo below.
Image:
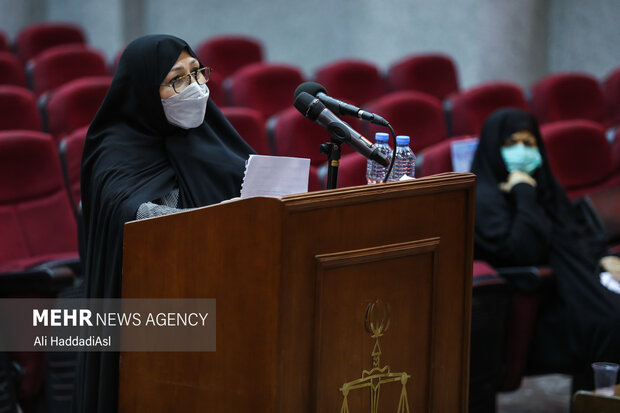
377	321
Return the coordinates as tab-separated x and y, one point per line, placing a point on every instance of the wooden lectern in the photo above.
293	278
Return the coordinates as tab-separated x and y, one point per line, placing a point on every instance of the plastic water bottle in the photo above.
404	164
375	172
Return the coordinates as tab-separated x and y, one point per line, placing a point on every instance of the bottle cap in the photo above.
402	140
381	137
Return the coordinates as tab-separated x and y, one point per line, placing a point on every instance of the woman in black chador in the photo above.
523	217
156	145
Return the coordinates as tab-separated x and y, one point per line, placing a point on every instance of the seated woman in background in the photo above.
523	217
156	145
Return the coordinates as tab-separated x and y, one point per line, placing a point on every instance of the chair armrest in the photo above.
38	280
73	263
526	278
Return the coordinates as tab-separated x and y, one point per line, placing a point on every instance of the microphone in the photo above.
339	107
313	109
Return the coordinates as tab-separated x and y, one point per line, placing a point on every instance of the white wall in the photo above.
584	36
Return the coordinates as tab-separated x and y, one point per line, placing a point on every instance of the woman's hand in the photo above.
611	264
516	177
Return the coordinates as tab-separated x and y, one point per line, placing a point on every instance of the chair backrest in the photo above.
74	104
611	90
314	182
227	54
18	109
266	87
35	215
42	36
434	74
4	42
251	126
61	64
415	114
70	151
437	158
216	89
353	81
294	135
566	96
12	71
580	156
470	109
352	170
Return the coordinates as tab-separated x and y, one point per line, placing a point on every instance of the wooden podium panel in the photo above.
292	279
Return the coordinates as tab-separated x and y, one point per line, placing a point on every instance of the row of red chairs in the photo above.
419	115
68	108
290	134
245	80
555	98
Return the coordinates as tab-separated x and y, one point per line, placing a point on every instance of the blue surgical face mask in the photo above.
521	158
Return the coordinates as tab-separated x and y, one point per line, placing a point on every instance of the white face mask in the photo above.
187	109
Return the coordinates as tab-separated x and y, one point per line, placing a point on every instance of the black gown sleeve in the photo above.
526	238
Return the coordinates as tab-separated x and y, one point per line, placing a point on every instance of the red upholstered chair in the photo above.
353	81
251	126
70	151
611	90
294	135
74	104
580	156
227	54
267	87
415	114
566	96
352	170
434	74
38	241
216	89
314	182
11	70
41	36
470	109
18	109
4	42
437	158
36	217
61	64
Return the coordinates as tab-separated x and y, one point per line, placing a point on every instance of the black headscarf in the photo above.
579	322
132	155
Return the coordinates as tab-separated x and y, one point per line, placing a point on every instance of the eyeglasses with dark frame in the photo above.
201	76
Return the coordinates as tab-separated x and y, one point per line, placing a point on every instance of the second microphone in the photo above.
315	110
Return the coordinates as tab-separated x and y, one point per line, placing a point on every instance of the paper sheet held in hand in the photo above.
275	176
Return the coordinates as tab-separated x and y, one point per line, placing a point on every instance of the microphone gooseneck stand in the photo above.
339	135
332	149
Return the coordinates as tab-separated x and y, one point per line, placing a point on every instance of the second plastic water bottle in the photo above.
375	172
404	163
